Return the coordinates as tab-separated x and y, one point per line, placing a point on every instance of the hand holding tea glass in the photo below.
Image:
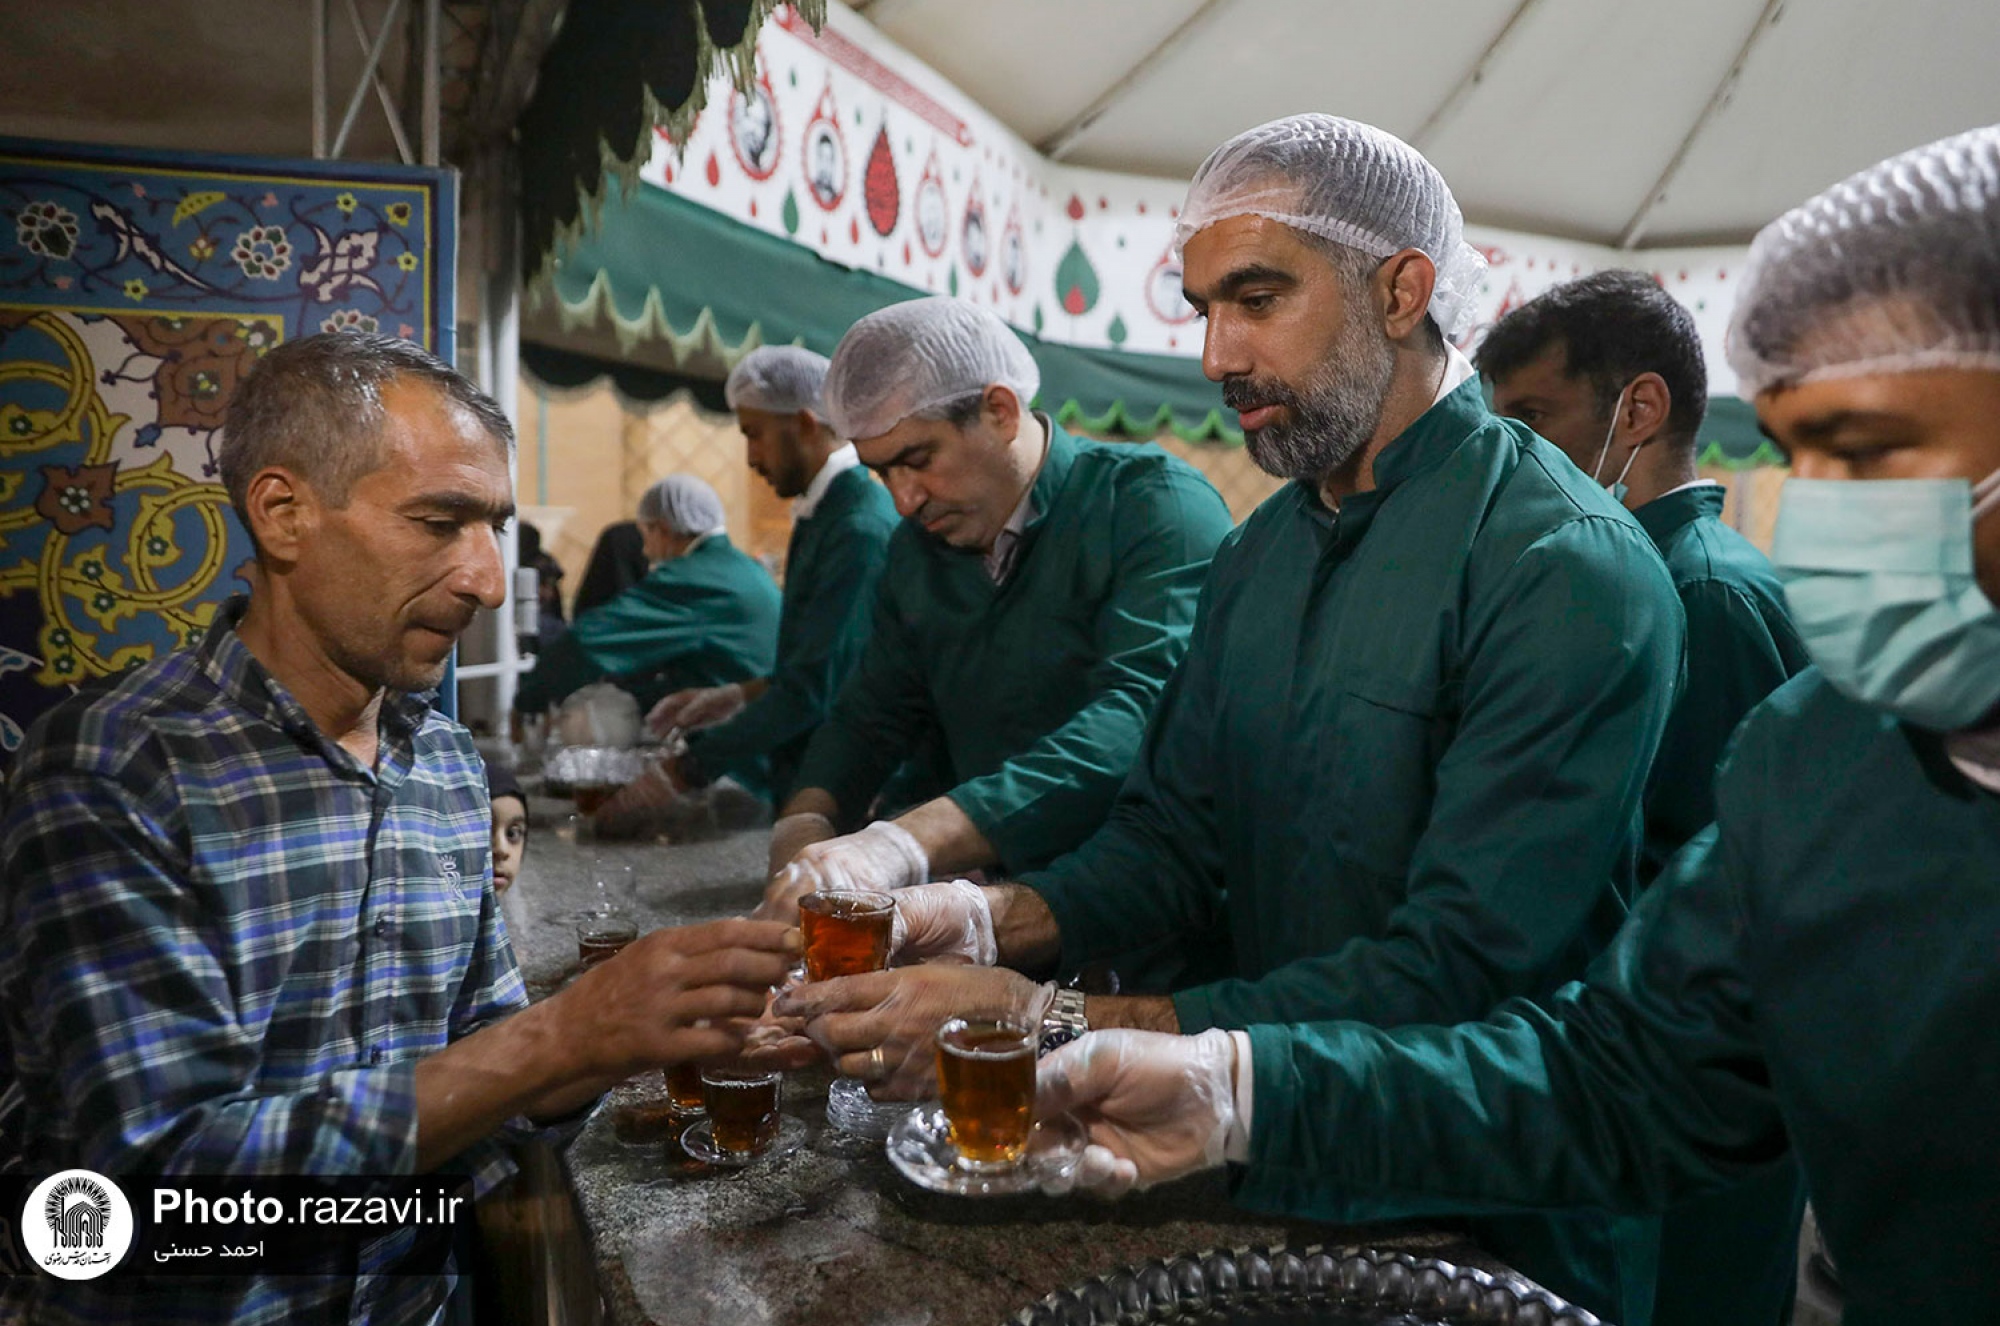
1154	1106
881	1026
684	993
848	934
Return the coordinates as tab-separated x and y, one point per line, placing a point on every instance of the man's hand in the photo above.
677	994
948	921
1156	1107
670	996
881	1027
881	857
697	707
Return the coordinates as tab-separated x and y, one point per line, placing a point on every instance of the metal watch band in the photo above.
1065	1020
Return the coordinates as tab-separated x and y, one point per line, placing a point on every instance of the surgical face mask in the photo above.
1881	582
1618	487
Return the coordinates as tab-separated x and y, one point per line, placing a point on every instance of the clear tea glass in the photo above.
742	1108
986	1081
846	933
684	1089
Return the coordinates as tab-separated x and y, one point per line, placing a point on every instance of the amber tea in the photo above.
845	934
684	1087
600	937
986	1078
742	1108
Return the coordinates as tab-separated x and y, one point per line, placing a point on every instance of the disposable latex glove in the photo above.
899	1012
698	707
946	921
881	857
792	833
1155	1106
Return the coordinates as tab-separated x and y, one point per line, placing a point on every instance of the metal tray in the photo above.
1311	1286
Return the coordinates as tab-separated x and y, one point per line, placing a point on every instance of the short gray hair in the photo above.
314	406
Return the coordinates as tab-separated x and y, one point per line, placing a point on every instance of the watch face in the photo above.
1053	1039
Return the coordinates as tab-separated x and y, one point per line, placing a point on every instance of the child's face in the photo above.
510	841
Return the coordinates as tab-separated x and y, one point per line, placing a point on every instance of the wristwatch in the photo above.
1065	1020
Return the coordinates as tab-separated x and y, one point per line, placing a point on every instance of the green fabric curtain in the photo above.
671	281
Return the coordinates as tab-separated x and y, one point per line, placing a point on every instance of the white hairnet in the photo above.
912	358
684	504
782	379
1891	270
1347	182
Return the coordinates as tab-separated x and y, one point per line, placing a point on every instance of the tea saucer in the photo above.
699	1141
920	1148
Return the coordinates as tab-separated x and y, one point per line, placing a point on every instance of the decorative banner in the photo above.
1073	255
136	291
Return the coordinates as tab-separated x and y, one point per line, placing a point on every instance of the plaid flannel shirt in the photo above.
224	945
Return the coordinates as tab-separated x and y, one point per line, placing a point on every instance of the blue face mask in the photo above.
1618	486
1879	574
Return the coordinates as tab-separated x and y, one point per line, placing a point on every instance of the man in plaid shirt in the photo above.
247	925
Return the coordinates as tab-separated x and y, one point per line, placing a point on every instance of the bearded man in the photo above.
1398	777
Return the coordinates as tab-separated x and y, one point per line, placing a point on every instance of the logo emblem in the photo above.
449	865
77	1224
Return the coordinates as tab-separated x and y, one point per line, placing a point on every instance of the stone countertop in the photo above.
830	1233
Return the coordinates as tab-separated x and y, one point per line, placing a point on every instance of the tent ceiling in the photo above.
1557	116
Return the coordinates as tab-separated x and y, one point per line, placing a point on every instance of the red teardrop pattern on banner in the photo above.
753	209
714	171
906	253
853	231
879	188
1075	208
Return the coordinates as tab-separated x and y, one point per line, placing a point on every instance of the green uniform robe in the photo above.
1399	776
832	565
1038	688
1741	647
702	619
1730	1259
1815	973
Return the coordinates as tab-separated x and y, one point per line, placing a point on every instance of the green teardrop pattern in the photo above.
1076	282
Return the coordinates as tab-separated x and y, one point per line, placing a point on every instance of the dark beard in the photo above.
1331	418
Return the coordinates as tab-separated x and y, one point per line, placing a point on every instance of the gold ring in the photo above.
878	1065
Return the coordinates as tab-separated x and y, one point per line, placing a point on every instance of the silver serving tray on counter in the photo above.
1311	1286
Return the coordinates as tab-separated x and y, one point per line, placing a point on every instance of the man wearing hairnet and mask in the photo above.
1037	595
1815	974
1398	777
705	615
841	522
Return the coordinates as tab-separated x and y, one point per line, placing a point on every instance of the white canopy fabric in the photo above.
1608	121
